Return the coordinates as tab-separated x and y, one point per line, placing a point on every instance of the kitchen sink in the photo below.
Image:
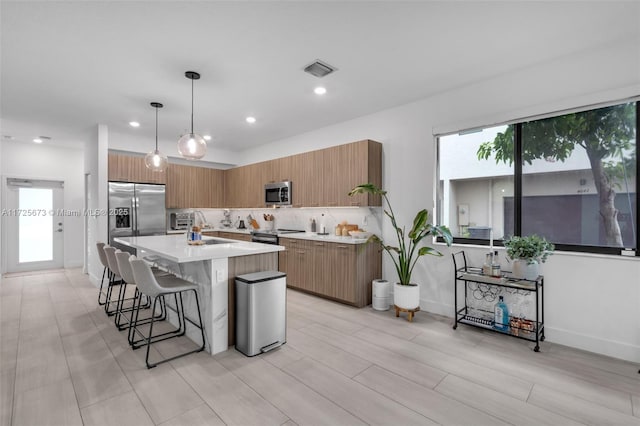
209	242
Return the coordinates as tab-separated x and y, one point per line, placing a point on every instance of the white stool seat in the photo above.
173	284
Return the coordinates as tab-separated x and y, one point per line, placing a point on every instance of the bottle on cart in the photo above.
501	315
495	265
488	263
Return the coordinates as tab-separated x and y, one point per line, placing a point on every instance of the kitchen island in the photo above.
214	268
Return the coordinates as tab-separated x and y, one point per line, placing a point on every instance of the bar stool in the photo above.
114	278
149	286
122	257
103	260
117	280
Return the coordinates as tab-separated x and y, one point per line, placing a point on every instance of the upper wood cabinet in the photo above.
307	179
194	187
321	178
278	170
346	166
125	168
236	182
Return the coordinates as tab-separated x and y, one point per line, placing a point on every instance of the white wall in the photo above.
28	160
592	301
96	167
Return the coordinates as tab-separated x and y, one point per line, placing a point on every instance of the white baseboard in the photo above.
436	308
561	336
595	344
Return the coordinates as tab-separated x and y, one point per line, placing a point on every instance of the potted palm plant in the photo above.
408	250
527	253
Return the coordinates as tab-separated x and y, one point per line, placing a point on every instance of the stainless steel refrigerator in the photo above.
139	210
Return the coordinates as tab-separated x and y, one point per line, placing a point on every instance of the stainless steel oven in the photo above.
278	194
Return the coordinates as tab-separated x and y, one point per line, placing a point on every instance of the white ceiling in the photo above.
67	66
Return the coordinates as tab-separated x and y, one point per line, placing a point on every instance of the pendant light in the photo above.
155	160
191	145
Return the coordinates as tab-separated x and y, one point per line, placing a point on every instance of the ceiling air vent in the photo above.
319	68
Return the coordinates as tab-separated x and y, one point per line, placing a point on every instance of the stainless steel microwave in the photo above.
277	194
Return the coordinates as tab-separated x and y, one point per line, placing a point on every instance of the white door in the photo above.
34	224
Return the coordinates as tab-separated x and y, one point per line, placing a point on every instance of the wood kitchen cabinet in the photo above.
324	178
278	170
126	168
194	187
234	236
254	186
307	172
320	267
319	178
349	165
228	235
295	261
241	187
336	271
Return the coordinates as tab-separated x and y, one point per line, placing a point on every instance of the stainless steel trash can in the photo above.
261	311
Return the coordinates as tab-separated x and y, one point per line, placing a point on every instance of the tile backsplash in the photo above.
367	218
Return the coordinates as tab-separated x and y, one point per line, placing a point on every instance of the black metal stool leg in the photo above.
104	271
155	299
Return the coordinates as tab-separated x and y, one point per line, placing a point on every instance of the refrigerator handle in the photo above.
134	212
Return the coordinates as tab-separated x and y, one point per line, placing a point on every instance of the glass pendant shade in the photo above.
192	146
156	161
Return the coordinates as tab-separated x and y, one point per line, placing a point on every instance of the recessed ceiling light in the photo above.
37	140
207	137
320	90
134	124
251	120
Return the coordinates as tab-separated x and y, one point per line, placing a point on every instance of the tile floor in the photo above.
64	363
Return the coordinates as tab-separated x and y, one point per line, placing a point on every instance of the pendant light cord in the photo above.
192	106
156	129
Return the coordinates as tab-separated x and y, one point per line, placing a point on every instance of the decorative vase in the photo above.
524	270
406	296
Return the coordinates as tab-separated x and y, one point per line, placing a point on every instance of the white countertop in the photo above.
330	238
176	249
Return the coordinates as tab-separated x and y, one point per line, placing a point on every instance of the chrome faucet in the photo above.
198	215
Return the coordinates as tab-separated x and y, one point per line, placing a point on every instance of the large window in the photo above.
571	178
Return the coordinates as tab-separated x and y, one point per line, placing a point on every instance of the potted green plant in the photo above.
409	249
527	253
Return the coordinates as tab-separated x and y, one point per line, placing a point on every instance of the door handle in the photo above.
59	230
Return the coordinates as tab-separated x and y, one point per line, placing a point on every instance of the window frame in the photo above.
518	180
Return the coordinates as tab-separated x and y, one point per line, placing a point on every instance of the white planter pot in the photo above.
525	271
406	296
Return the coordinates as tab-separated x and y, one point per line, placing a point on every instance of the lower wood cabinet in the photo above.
336	271
234	236
229	235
